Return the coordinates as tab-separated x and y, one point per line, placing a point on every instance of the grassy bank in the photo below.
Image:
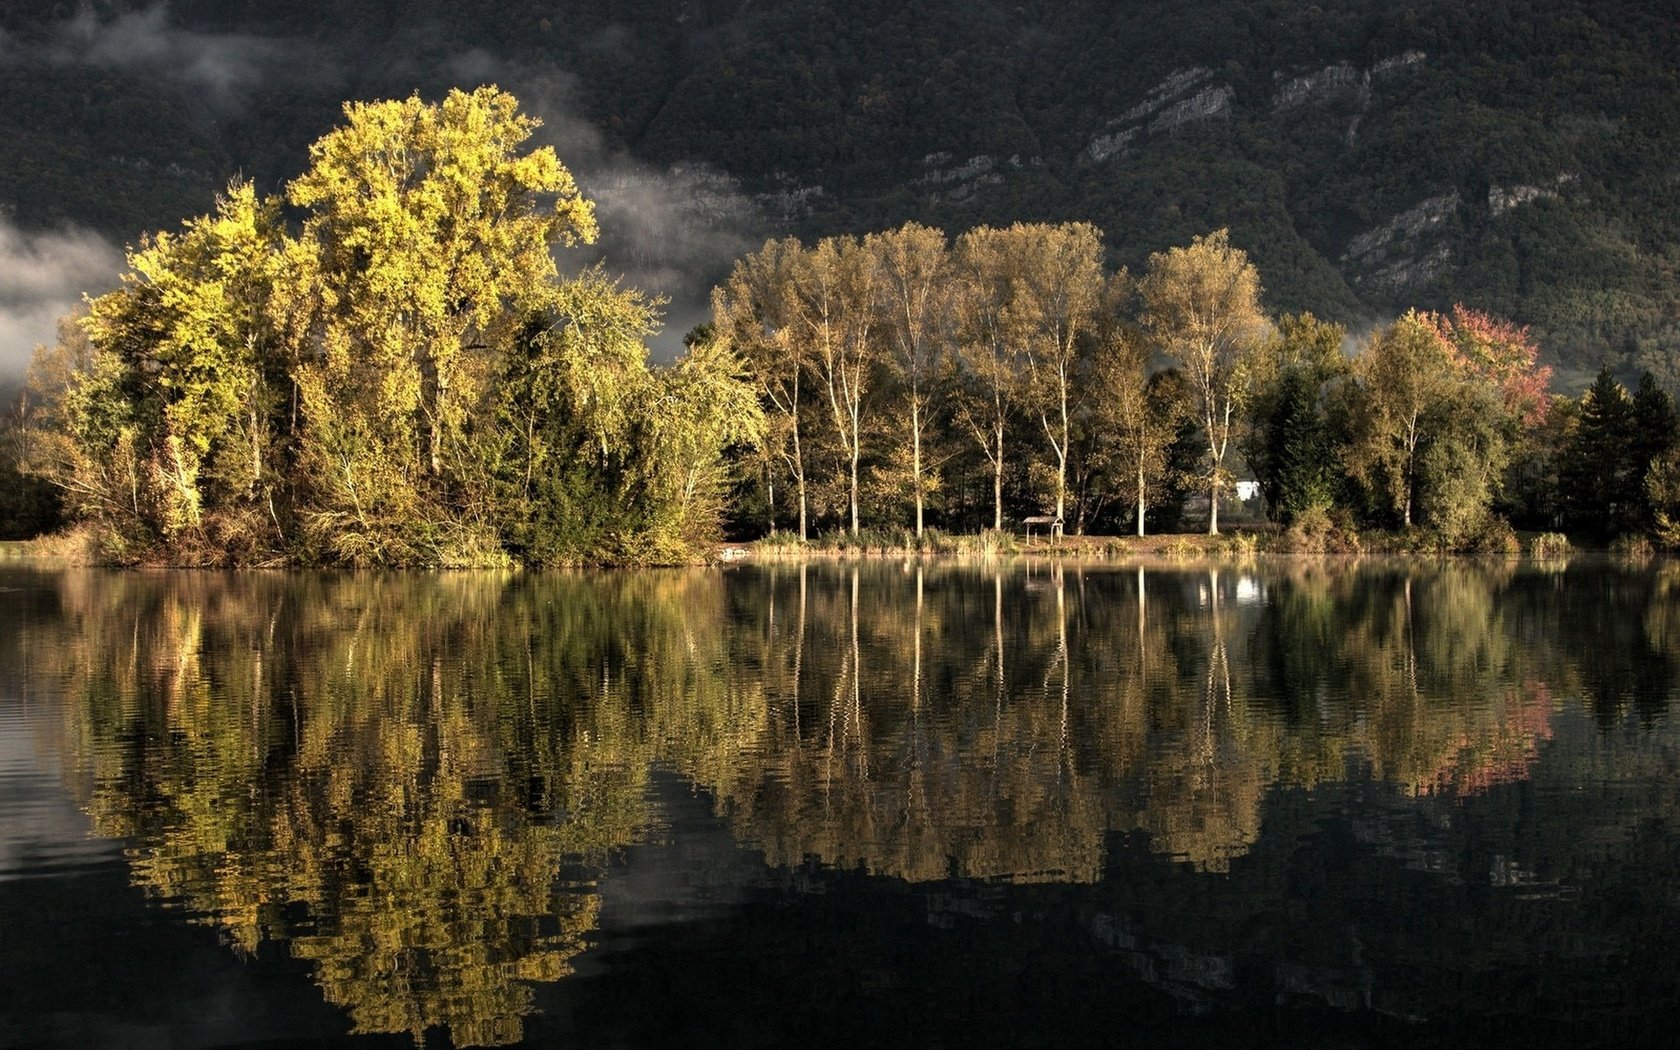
1316	538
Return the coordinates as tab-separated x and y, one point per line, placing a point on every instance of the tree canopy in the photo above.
401	377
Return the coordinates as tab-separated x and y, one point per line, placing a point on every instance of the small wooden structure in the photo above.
1051	524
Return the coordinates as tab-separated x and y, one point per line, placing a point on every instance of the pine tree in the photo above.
1597	473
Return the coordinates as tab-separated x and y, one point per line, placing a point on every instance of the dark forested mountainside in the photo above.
1522	157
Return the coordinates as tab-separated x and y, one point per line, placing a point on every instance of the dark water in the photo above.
1282	804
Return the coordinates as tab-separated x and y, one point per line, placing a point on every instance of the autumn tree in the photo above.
755	311
993	385
1056	301
1437	412
175	394
836	290
1403	373
1202	307
1138	419
425	224
1500	355
914	267
700	407
559	446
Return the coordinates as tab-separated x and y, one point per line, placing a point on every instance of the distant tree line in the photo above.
909	379
383	366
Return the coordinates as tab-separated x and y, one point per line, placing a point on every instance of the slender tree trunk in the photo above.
1411	468
1213	508
1140	502
256	453
997	484
916	457
855	454
1062	458
435	438
799	479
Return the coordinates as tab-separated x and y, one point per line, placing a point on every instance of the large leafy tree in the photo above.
1404	373
426	224
1202	306
1058	297
428	234
914	264
995	377
754	310
406	379
176	389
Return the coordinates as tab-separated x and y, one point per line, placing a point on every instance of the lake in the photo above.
1287	803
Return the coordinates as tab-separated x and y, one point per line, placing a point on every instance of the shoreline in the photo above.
1235	546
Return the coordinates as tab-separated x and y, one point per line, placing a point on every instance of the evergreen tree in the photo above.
1289	446
1656	427
1598	472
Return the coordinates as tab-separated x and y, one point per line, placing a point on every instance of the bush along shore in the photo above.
384	364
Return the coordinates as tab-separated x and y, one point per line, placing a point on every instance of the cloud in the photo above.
221	69
670	231
42	278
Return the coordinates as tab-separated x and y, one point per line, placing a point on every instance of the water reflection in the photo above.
414	782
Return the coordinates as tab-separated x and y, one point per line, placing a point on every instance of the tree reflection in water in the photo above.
414	781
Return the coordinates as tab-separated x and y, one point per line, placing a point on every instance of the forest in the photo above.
1010	372
384	365
1369	155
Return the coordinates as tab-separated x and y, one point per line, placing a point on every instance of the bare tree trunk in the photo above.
1140	503
799	459
997	484
855	454
916	457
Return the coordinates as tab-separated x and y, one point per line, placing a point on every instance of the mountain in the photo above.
1522	157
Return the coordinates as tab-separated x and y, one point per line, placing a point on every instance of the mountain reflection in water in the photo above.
417	784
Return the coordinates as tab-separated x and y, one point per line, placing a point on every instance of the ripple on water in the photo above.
42	833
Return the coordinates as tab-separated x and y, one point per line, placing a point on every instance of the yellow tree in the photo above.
835	292
1202	306
914	265
1139	416
426	230
187	335
1056	303
754	310
701	406
993	365
1405	372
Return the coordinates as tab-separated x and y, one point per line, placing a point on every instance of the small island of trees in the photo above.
383	365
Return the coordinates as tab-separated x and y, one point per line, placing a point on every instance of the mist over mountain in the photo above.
1520	157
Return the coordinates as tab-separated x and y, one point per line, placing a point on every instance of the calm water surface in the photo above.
1286	804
